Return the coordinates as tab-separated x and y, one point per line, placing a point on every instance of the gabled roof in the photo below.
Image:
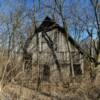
48	24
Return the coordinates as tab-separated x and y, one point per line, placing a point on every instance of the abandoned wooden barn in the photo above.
50	50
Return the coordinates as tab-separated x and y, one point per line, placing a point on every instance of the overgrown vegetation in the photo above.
20	77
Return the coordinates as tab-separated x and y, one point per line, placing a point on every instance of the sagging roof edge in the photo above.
48	25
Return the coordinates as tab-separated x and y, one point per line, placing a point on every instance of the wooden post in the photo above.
71	60
38	80
82	63
71	65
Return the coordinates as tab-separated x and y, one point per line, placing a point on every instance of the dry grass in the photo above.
19	86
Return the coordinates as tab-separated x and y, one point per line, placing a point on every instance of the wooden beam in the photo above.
50	45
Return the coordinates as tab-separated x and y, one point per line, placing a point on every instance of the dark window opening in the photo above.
77	69
46	73
28	62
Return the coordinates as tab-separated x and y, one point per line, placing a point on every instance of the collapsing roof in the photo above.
48	24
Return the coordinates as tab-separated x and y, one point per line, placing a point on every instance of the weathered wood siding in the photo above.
44	54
